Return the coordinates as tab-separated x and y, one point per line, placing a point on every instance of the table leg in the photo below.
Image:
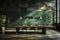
43	30
3	30
17	30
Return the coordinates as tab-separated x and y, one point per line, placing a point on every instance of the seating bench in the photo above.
31	27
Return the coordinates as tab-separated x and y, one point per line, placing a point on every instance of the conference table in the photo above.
31	27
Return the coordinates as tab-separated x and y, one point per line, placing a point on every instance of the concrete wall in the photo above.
59	11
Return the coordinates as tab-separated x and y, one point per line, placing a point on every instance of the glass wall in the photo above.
38	18
43	14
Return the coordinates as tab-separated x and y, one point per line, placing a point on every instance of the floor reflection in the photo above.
51	35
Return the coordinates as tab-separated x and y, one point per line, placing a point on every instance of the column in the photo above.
3	30
57	11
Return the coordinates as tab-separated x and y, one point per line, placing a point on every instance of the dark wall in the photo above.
58	16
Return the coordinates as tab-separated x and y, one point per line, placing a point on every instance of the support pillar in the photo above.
43	30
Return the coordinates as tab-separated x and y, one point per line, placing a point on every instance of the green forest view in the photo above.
46	18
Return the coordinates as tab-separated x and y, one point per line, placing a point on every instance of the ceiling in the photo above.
16	6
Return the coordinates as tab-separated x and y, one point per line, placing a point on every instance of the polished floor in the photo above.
51	35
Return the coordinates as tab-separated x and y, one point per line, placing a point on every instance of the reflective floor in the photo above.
51	35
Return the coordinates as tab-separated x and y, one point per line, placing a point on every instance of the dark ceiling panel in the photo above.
16	6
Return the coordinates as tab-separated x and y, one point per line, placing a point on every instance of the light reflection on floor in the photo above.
51	35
